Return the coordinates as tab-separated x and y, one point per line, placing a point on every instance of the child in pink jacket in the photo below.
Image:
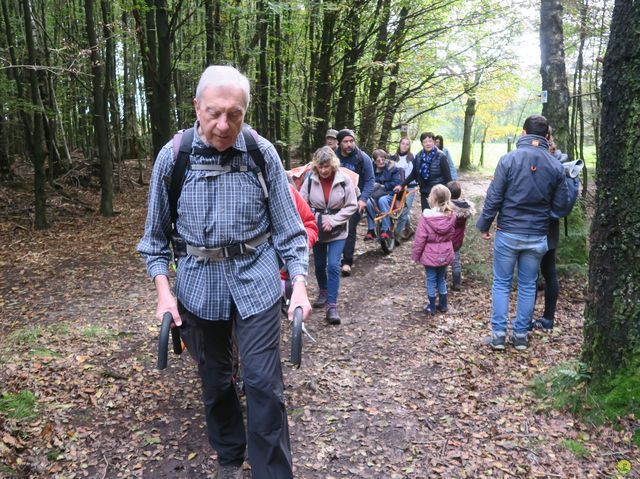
432	246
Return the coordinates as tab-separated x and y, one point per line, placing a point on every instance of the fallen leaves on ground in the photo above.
389	393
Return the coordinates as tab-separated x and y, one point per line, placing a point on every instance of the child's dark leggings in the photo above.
551	285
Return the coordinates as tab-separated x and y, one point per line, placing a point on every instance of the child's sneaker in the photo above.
370	236
543	324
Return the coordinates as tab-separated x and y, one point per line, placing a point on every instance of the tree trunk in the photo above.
36	137
346	104
469	116
129	117
261	107
367	137
392	89
98	115
6	165
163	79
324	90
554	74
612	315
279	93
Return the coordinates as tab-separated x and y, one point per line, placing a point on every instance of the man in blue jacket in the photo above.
527	185
356	160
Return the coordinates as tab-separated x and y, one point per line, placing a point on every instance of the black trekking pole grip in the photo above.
163	341
296	338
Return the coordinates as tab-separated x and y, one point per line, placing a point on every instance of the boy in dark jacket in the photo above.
463	210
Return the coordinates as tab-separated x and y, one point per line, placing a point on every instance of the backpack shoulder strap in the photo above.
182	142
251	140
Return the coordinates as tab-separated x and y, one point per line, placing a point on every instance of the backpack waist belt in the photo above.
326	211
229	251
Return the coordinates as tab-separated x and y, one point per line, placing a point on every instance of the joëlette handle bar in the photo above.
296	338
403	198
163	341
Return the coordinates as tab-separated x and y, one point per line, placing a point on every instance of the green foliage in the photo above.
572	250
562	387
55	454
567	387
636	437
576	447
93	331
18	406
44	353
25	336
620	395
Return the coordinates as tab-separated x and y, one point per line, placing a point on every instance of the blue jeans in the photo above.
436	280
403	220
527	250
326	257
384	203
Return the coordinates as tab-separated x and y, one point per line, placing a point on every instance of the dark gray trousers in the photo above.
258	340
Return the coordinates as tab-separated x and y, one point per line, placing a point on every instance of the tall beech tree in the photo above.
554	73
612	315
98	114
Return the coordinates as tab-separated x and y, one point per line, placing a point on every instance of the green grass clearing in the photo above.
19	406
576	447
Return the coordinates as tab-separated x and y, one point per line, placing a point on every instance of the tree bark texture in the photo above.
98	114
612	314
554	73
469	116
36	138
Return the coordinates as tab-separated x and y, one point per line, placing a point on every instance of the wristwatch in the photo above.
299	278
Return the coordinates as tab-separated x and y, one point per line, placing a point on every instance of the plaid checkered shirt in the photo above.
221	211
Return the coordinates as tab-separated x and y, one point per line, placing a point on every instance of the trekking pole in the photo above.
163	341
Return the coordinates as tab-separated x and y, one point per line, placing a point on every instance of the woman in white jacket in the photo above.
332	197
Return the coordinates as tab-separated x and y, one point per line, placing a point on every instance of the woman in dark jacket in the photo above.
430	168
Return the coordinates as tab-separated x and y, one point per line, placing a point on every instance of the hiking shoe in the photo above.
346	270
229	472
385	235
543	324
332	316
370	236
521	343
495	341
321	300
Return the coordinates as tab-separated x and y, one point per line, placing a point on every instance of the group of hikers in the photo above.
221	205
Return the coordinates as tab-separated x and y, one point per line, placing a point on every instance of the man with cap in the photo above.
356	160
331	138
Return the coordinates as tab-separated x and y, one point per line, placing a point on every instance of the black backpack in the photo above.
182	151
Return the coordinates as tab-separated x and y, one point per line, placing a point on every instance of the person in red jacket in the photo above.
311	227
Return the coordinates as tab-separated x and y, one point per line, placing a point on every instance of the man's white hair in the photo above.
222	75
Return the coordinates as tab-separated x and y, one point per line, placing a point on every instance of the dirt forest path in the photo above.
387	394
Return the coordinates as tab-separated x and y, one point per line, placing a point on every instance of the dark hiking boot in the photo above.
521	343
332	316
321	300
229	472
430	309
442	307
457	281
497	342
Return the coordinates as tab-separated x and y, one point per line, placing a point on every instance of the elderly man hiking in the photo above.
527	185
235	218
